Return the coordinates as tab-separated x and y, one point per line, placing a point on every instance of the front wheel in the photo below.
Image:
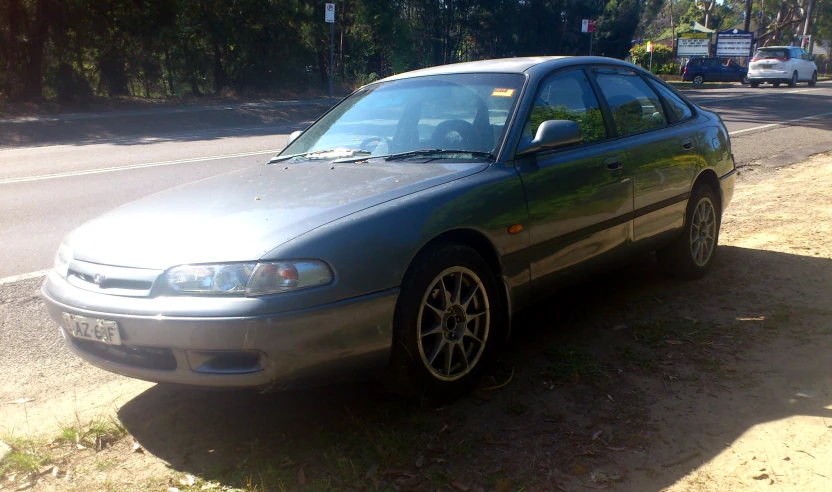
448	321
814	80
692	254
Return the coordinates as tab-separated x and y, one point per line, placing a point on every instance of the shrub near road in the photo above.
629	382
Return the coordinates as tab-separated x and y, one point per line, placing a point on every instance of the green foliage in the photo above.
155	48
663	61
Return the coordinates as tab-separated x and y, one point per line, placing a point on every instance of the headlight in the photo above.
251	279
62	259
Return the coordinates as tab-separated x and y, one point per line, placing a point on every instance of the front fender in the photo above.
370	251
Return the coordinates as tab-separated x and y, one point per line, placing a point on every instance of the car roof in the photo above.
777	47
519	65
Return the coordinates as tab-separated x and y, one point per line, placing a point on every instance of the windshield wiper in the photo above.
311	155
437	152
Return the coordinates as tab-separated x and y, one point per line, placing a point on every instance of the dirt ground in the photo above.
630	381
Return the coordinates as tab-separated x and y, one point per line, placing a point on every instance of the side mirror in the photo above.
551	134
293	136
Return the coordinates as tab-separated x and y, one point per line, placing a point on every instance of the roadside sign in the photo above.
588	25
649	48
329	16
693	44
734	43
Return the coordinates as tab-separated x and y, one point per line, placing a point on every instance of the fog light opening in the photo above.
226	361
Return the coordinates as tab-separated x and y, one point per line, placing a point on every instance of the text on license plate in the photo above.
97	330
766	66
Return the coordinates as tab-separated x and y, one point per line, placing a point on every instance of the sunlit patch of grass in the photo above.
95	434
27	455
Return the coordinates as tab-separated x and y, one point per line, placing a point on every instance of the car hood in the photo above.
243	215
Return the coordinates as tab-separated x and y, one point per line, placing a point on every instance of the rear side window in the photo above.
696	62
679	111
568	96
713	63
634	105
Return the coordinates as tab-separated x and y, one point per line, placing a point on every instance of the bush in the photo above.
663	61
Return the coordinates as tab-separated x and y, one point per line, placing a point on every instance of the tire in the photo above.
745	81
776	84
754	85
814	80
698	79
793	80
690	258
422	340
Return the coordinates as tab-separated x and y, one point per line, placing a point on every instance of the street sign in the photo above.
329	16
734	43
588	25
693	44
649	48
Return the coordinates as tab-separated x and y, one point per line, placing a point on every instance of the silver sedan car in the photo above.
404	229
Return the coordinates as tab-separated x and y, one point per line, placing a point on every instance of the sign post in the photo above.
650	50
588	25
329	17
691	44
734	43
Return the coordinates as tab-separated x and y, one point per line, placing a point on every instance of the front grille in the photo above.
107	279
160	359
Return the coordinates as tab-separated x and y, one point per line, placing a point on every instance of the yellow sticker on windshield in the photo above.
502	93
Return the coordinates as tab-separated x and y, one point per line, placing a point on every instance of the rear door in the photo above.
661	146
580	197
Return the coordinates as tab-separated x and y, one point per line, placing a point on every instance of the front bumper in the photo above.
727	183
317	345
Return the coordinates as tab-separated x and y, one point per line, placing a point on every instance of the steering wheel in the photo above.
453	135
382	142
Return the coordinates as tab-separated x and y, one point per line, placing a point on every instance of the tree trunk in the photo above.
171	89
808	25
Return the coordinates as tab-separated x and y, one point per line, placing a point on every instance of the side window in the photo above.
679	111
567	96
713	63
634	106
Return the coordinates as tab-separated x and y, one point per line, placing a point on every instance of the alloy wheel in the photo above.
453	322
703	232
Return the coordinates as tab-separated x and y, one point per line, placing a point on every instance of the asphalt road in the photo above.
59	173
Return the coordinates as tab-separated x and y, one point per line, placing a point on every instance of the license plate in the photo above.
97	330
767	67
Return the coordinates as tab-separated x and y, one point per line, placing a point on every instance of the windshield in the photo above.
765	54
460	112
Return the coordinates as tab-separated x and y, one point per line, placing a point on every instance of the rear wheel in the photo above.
754	85
448	321
745	80
698	79
814	80
776	84
793	80
691	256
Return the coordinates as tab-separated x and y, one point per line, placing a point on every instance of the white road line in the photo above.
23	276
772	125
134	166
761	94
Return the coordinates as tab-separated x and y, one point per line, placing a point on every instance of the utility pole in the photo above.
808	24
672	28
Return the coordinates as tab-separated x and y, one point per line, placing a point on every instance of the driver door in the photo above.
580	197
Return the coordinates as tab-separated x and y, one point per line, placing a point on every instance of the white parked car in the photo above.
782	64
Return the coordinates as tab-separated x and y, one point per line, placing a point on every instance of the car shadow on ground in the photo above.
184	126
593	371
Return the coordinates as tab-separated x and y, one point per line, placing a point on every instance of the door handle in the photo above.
686	143
612	163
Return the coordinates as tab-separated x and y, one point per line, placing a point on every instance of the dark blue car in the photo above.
714	69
